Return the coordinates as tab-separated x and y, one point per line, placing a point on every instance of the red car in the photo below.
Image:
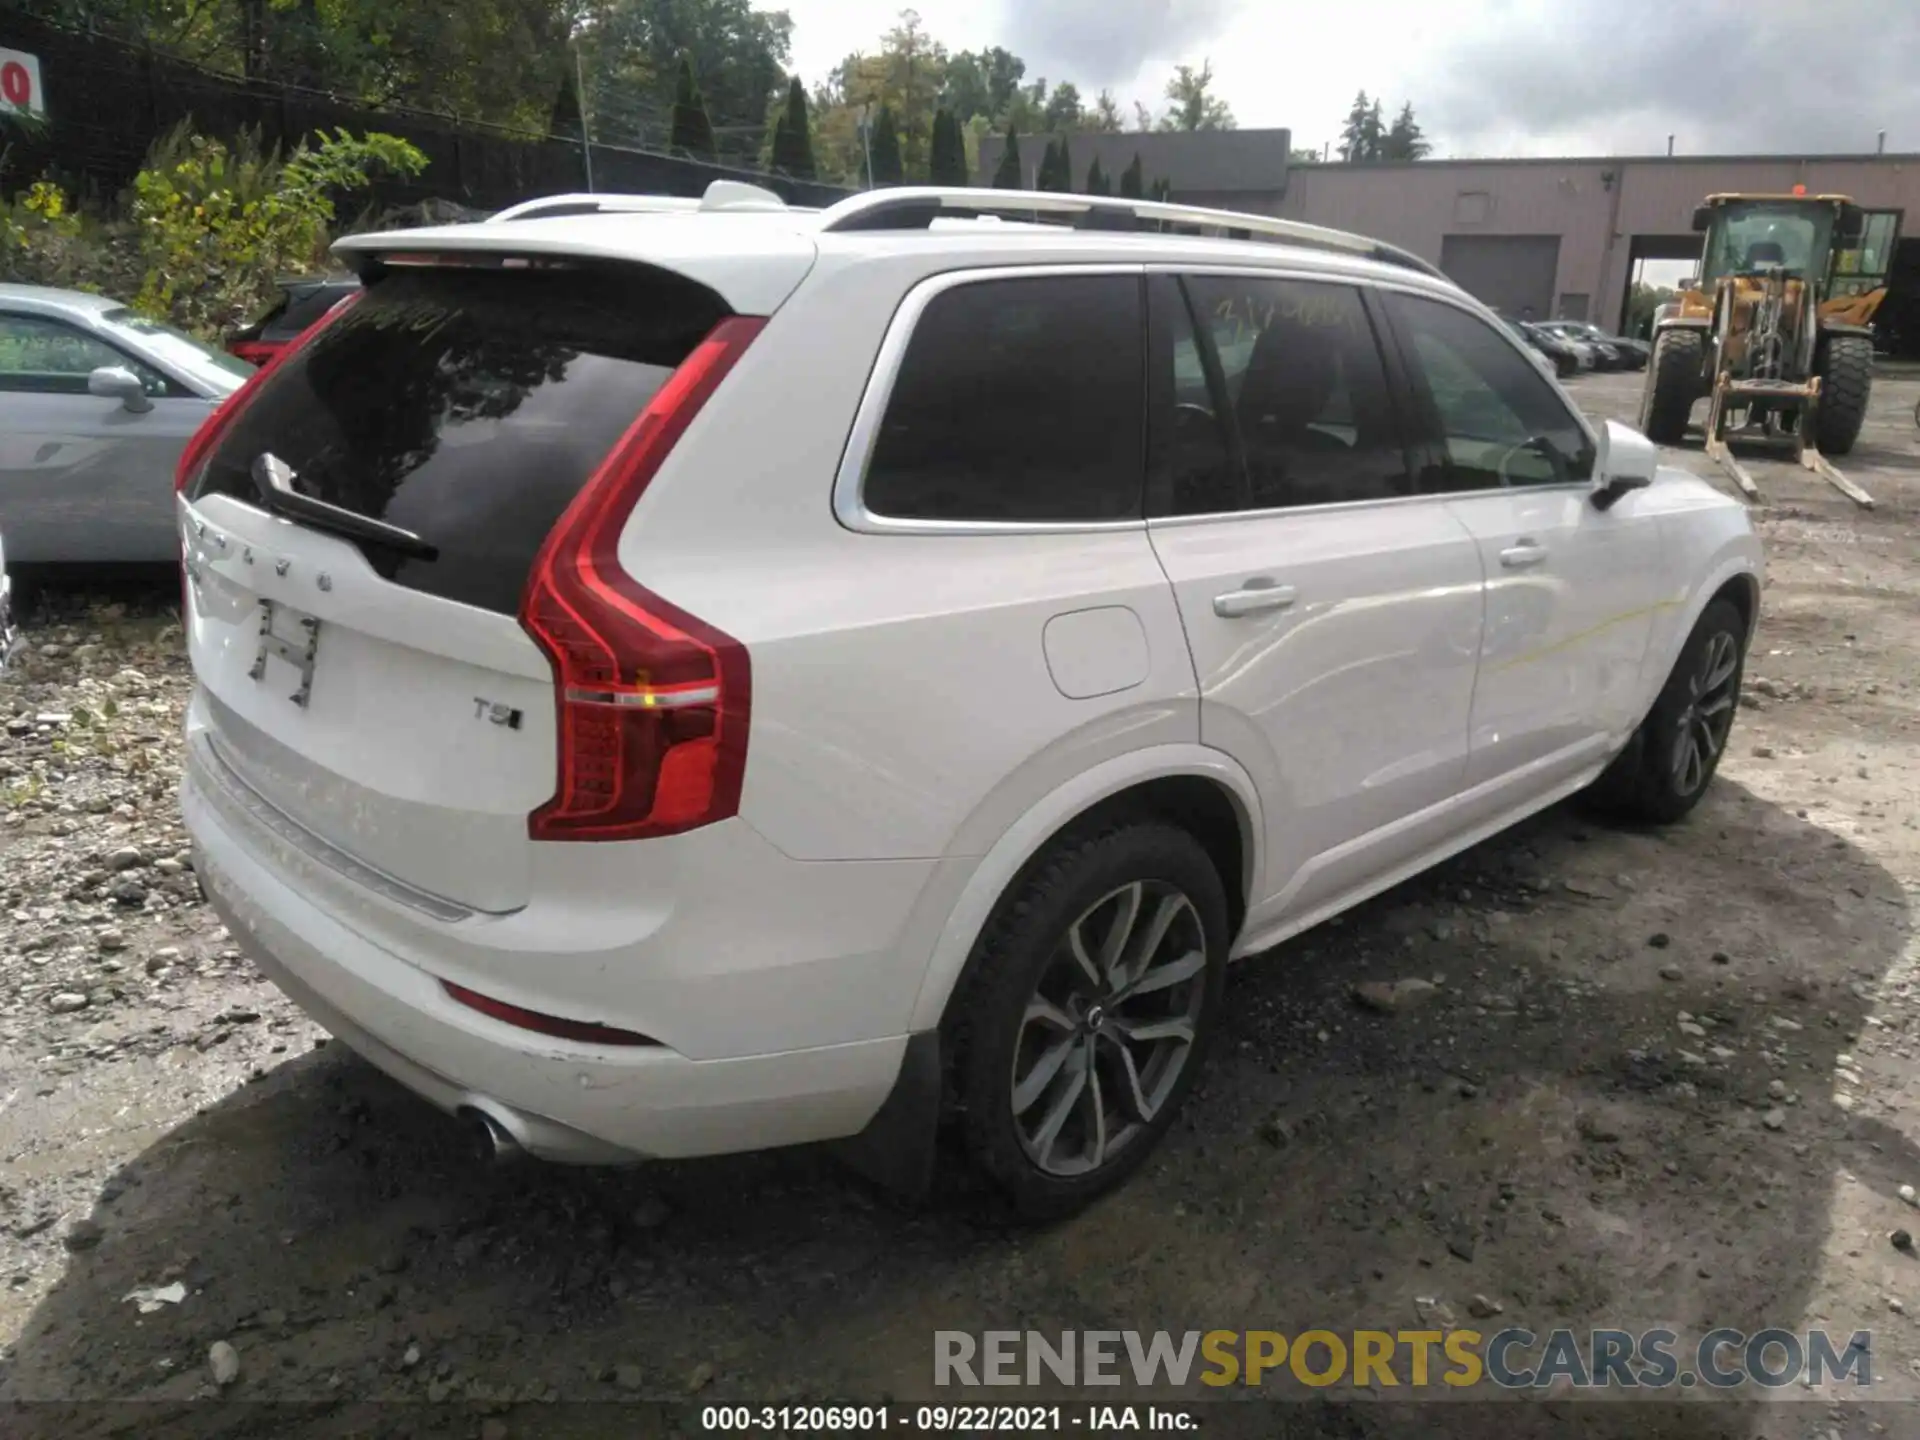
302	301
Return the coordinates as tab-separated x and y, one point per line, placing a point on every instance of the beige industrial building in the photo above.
1534	238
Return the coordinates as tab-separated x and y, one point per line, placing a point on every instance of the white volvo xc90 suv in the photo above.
673	683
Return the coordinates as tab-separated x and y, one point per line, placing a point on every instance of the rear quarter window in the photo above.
468	406
1017	401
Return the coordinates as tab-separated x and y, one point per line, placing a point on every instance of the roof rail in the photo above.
916	207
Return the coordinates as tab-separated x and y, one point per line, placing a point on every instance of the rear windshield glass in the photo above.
468	406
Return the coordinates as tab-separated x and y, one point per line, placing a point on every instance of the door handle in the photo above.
1523	554
1256	597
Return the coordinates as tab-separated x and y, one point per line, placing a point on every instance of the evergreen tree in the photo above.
1097	181
888	168
948	158
692	130
1405	140
1353	136
1063	168
1006	175
1374	133
566	123
1043	178
793	137
1133	183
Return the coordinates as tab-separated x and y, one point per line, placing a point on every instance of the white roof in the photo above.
753	250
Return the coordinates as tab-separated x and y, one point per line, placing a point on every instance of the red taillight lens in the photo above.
544	1024
652	703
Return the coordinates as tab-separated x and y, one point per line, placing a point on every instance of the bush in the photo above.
217	226
208	228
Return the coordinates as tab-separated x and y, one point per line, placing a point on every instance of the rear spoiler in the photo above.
753	269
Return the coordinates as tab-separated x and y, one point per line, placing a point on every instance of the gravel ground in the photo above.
1664	1078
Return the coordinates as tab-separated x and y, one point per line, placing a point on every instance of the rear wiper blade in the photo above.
273	478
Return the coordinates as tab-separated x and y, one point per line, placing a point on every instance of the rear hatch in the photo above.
361	665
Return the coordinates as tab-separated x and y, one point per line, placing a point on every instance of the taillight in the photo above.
254	352
652	703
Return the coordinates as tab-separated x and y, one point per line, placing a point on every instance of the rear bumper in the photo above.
561	1100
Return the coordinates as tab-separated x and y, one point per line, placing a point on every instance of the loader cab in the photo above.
1844	249
1750	235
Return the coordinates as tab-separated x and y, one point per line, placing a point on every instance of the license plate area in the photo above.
292	637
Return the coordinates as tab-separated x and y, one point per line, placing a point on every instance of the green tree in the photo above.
1132	180
983	83
1304	157
1048	176
1104	117
565	122
1353	136
1374	134
948	164
1007	175
1097	181
888	167
632	49
1405	140
692	132
1194	105
1063	167
1063	112
793	135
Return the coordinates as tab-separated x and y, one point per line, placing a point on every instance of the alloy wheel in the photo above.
1708	716
1110	1027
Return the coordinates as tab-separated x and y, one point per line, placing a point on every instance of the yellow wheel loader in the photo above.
1775	333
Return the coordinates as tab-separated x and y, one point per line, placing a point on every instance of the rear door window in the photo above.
468	406
1018	401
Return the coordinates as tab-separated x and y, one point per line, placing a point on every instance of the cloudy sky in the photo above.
1486	77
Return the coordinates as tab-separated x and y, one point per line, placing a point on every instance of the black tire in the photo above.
1673	383
1023	958
1845	365
1649	782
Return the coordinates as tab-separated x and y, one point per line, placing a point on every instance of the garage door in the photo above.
1512	273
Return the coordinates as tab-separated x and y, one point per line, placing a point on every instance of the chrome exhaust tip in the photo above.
492	1141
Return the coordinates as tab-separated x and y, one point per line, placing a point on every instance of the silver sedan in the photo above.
95	405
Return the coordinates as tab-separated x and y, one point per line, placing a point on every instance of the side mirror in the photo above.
1702	219
116	382
1626	461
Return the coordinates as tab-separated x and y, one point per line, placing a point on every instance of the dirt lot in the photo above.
1665	1079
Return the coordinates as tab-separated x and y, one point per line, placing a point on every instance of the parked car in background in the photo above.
1562	357
300	303
9	638
649	788
1623	352
95	405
